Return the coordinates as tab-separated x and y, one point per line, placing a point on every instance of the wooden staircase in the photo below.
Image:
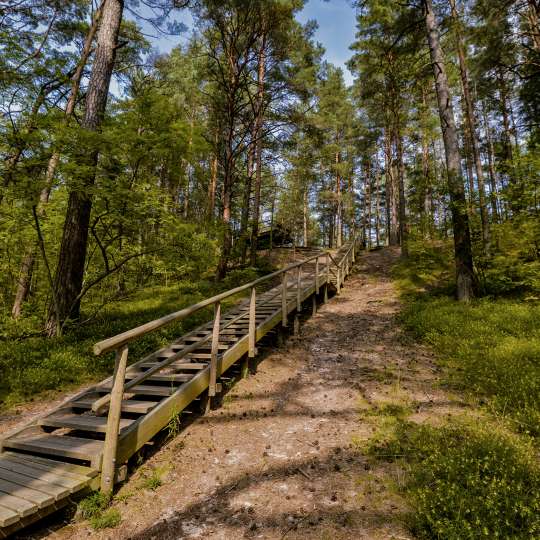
85	442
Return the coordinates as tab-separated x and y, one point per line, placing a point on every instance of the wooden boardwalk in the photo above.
85	442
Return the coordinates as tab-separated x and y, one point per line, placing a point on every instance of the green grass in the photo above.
33	366
476	476
465	481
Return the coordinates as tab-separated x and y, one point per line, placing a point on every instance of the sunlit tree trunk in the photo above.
465	278
72	256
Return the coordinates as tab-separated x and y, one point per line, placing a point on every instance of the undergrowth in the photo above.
476	476
33	365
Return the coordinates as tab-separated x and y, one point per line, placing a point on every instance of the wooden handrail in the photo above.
120	341
114	342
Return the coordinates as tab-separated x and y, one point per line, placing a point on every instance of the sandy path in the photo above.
279	459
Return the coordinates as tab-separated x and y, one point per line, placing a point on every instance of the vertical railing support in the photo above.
110	446
284	299
317	275
338	280
327	267
298	289
215	350
252	326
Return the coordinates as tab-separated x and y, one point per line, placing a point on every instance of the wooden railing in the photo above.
119	343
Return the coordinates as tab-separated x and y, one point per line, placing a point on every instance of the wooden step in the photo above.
26	469
33	483
78	472
8	517
18	505
189	366
56	445
128	405
143	389
162	377
82	422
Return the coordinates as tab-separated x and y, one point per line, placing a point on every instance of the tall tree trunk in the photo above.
71	259
367	196
533	15
305	218
471	127
491	168
391	209
339	205
377	204
258	149
212	185
403	225
465	279
246	203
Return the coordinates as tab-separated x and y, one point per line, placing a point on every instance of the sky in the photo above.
336	20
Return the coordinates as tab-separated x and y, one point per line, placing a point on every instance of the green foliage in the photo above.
31	364
107	520
466	481
93	505
491	345
515	263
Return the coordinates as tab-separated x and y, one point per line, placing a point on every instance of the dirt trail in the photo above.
279	459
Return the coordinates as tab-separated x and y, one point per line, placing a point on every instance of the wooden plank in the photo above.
143	390
7	516
71	447
161	377
128	405
58	492
59	467
16	504
53	478
81	422
33	496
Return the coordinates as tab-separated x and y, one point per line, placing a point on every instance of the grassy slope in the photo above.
469	478
32	367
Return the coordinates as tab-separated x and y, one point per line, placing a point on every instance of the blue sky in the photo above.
336	20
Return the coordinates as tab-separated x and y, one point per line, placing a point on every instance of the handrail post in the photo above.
214	350
252	326
298	289
284	299
338	280
327	267
110	446
317	275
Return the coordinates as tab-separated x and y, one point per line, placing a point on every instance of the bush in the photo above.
467	482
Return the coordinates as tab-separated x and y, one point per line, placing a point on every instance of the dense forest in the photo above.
176	165
132	181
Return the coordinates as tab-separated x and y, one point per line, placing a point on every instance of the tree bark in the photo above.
403	226
71	259
339	205
491	168
27	265
391	210
258	149
471	128
465	279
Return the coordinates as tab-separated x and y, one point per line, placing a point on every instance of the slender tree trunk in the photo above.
471	128
244	219
391	210
368	197
491	168
258	149
403	226
465	279
339	204
212	185
533	16
377	204
71	259
305	216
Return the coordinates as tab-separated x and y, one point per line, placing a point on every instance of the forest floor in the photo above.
284	457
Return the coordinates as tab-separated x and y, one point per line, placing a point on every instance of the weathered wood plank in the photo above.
7	516
81	422
70	469
33	496
34	483
128	405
